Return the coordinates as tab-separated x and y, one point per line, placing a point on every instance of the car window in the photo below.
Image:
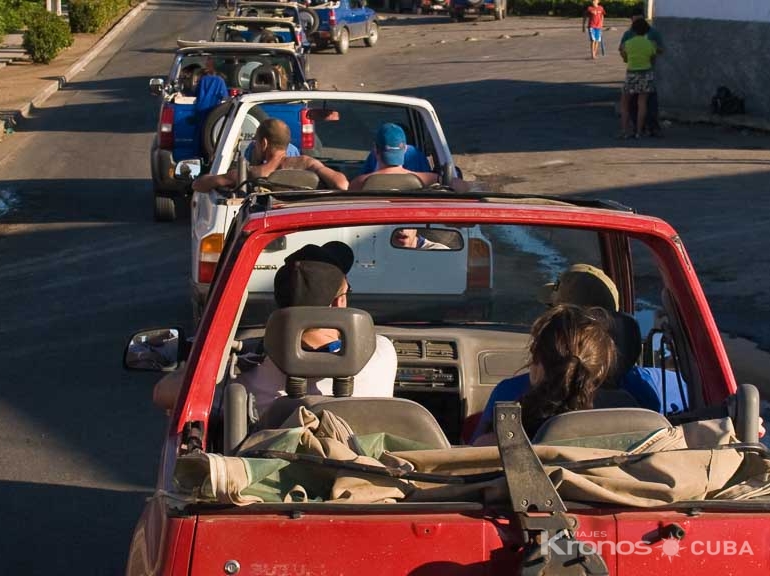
236	68
251	32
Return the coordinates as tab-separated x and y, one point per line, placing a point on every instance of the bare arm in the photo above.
208	182
331	178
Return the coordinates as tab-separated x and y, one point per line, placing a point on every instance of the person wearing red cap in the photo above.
317	276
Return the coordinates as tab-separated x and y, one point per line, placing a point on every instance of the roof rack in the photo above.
264	201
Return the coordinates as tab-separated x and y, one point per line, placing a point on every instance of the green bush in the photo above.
16	14
46	35
94	15
614	8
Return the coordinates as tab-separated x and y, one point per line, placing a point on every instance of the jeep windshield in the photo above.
237	67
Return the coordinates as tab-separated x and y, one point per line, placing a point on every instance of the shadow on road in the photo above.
117	105
549	116
65	530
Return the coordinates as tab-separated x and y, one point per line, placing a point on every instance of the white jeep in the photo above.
338	129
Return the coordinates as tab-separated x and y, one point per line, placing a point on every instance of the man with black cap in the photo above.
316	276
390	148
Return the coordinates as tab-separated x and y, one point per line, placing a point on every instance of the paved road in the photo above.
82	265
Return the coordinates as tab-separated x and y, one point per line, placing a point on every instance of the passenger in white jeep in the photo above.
271	140
316	276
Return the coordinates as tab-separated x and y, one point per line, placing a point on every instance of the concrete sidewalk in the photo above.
24	85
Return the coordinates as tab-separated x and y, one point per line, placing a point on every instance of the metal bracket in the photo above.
551	548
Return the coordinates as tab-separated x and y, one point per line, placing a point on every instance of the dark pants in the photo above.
651	123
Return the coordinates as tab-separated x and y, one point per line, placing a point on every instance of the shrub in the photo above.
614	8
46	35
94	15
16	14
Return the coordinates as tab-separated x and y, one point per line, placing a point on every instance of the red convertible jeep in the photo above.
345	484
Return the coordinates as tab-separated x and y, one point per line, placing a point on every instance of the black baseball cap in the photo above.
313	275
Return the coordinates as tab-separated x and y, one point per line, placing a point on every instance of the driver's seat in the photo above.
393	182
295	179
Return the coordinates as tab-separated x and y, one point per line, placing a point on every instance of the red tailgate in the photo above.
349	544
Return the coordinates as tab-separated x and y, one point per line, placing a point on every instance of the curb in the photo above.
95	50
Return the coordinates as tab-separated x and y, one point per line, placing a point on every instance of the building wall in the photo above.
710	43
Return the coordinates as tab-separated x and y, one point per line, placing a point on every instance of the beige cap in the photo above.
582	285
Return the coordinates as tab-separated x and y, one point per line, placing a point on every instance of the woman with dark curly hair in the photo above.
571	355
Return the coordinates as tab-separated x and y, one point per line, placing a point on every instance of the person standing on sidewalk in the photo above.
639	54
652	122
594	16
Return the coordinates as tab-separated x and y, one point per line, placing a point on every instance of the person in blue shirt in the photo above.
414	159
588	286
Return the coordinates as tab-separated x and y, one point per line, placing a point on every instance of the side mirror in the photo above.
157	86
159	350
187	170
312	84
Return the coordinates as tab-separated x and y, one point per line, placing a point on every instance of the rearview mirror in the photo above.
188	169
426	239
323	115
153	350
156	86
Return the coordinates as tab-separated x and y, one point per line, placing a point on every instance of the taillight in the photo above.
307	138
211	249
235	92
166	127
332	18
479	264
297	38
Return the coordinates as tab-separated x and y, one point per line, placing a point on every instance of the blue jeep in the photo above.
343	21
460	9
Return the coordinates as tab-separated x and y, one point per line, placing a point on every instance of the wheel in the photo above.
310	20
342	45
374	34
165	209
212	129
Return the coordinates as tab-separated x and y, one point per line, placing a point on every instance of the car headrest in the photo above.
627	336
283	341
300	179
262	80
599	422
393	182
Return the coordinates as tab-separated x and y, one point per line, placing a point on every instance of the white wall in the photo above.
740	10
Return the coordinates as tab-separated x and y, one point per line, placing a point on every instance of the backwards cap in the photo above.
582	285
313	275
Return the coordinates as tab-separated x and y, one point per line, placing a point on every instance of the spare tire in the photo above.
212	129
309	19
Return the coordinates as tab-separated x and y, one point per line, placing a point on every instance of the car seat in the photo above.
396	416
299	179
393	182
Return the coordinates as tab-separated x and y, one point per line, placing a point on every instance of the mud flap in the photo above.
551	547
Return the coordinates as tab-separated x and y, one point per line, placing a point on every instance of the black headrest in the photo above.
627	336
263	80
393	182
283	341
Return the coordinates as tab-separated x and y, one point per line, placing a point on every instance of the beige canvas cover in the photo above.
681	463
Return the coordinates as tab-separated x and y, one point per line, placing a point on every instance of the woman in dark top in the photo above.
571	355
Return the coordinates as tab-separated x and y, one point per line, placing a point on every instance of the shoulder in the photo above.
511	388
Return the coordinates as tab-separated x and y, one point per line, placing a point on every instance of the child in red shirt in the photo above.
594	14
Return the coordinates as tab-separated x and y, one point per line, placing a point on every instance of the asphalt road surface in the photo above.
82	264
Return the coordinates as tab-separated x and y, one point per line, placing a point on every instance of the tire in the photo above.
374	35
343	44
212	128
165	209
315	22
